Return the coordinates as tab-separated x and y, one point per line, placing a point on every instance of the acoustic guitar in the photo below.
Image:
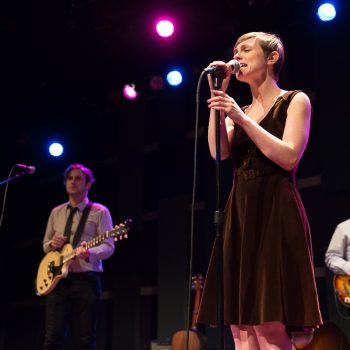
196	340
341	285
54	266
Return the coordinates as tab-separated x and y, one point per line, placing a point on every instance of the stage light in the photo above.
326	12
56	149
174	78
165	28
130	92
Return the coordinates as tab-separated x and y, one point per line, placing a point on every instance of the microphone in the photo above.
27	168
234	65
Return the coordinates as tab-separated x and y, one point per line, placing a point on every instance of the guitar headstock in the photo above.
197	281
121	230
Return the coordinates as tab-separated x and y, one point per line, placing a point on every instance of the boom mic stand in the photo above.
13	177
29	170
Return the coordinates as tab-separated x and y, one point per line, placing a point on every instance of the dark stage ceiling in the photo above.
63	65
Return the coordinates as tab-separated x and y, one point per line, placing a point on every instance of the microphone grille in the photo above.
235	66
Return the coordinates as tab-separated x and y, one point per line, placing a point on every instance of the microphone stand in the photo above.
5	195
219	220
13	177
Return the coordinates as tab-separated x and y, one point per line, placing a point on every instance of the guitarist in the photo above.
76	298
338	252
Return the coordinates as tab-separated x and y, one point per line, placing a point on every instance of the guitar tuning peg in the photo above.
126	235
115	239
128	222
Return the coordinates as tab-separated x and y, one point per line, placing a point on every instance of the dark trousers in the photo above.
73	304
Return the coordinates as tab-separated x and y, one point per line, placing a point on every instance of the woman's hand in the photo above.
225	81
222	102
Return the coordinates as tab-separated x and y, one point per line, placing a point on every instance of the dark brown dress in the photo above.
268	265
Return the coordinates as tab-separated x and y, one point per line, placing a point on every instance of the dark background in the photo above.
63	64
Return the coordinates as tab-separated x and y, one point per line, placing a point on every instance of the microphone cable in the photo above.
5	196
194	187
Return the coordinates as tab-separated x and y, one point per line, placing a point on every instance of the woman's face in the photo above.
252	59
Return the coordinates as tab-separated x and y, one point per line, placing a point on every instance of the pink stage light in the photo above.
130	92
165	28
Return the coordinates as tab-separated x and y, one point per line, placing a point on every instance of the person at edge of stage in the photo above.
337	257
270	294
76	298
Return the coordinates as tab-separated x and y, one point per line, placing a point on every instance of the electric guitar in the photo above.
54	266
341	285
196	340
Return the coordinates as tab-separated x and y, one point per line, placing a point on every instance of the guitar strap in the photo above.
82	223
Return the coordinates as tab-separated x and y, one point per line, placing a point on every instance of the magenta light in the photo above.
165	28
129	91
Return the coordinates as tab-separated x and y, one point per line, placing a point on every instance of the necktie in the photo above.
68	227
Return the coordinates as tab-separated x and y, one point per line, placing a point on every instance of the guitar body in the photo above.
196	341
341	284
54	266
52	269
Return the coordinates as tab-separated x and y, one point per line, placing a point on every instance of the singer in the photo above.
270	296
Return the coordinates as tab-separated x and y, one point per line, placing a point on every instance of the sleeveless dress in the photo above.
268	266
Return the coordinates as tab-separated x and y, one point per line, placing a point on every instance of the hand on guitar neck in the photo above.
82	252
58	241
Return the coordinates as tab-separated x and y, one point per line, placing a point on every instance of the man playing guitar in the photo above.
338	261
76	298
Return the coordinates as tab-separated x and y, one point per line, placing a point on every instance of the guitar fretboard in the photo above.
115	233
99	239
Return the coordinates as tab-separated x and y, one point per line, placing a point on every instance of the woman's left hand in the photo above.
223	102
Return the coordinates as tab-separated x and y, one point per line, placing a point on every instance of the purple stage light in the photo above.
130	92
165	28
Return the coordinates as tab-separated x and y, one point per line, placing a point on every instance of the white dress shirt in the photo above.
338	252
98	222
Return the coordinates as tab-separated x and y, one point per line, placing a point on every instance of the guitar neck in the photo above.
197	300
92	243
196	308
99	239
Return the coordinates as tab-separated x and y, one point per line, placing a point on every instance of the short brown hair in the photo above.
87	172
269	42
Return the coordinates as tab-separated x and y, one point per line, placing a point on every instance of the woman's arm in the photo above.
226	135
286	152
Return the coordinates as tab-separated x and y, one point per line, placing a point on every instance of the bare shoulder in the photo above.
301	98
300	104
